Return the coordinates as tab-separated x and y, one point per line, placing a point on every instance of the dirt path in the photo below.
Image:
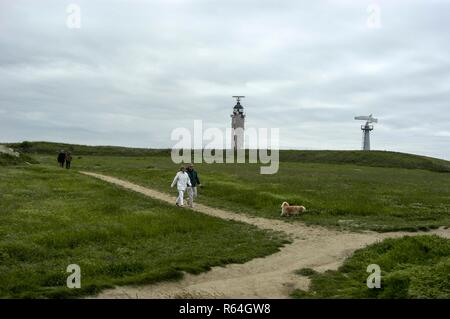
269	277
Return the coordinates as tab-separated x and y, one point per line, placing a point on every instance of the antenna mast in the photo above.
238	97
366	130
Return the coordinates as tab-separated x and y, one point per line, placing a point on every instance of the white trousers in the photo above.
180	197
192	193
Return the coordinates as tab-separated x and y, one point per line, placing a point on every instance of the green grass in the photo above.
373	158
306	272
54	148
51	217
336	195
9	160
411	267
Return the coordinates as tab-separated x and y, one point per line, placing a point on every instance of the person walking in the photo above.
61	158
68	160
182	181
195	181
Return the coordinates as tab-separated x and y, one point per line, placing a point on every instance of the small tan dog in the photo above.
287	210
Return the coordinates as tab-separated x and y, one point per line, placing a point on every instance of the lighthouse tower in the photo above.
237	124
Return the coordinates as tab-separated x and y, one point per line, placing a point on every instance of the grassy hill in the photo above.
54	148
9	160
380	191
52	217
411	267
373	158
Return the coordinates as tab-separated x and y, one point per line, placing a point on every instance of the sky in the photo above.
136	70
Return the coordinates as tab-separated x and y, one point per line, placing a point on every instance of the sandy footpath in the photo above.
268	277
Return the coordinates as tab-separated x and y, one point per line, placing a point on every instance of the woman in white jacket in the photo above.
182	181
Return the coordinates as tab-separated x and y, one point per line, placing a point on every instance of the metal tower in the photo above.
237	124
366	130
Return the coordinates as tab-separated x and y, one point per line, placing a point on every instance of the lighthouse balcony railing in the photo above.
367	127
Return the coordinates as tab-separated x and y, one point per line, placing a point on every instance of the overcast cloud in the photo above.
136	70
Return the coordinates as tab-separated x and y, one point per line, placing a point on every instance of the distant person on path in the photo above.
61	158
68	160
195	181
182	181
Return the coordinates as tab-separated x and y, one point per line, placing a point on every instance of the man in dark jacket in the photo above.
61	158
195	181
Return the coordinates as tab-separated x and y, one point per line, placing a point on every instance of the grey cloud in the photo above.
138	69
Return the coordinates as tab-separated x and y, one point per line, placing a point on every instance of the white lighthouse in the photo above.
237	124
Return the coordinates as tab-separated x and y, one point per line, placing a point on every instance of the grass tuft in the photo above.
411	267
306	272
